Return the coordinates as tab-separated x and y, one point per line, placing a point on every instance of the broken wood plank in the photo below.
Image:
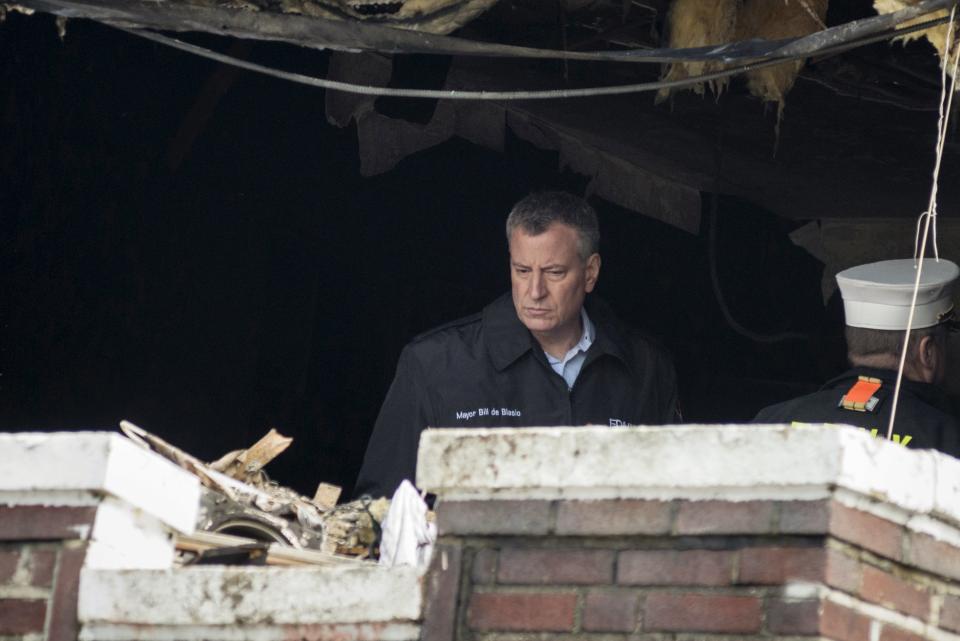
282	555
277	554
327	495
263	451
245	465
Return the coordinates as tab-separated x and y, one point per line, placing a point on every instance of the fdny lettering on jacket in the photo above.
875	432
896	437
466	415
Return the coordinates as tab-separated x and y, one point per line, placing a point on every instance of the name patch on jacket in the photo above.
466	415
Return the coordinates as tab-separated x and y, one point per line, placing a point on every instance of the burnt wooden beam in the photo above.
252	25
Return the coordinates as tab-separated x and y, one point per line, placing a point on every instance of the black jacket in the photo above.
487	370
923	411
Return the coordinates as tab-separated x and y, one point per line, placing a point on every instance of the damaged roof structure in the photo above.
854	122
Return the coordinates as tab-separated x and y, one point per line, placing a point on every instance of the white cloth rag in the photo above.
407	536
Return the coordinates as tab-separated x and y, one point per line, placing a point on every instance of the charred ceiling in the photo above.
824	117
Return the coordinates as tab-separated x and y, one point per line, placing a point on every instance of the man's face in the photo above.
549	280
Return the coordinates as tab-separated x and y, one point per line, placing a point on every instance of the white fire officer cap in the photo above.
878	295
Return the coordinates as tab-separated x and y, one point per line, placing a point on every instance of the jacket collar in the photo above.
508	339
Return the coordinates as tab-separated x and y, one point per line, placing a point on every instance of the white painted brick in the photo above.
125	537
567	459
344	632
947	499
731	462
61	468
223	595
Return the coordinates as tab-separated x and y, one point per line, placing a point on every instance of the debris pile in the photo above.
246	518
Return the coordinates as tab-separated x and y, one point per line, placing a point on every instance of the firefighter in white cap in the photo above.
877	299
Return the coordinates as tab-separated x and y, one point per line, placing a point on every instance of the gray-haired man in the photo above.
544	355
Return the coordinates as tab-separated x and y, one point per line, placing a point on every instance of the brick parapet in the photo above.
70	500
833	554
86	552
699	462
42	549
74	468
675	578
894	537
617	535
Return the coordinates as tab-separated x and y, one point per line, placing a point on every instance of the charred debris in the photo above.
247	519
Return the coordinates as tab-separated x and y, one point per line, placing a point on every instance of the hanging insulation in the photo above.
937	36
695	23
773	20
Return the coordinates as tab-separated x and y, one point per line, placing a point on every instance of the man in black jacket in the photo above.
542	356
877	299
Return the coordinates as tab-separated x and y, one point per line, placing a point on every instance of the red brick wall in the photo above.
642	569
41	553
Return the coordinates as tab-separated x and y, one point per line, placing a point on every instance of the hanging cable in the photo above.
929	217
458	94
448	94
722	302
354	35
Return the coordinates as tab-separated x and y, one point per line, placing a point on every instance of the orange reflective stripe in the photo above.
862	391
860	397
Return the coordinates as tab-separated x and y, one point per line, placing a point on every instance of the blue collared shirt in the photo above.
569	366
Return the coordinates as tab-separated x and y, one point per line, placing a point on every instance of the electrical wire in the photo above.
549	94
447	94
781	337
354	35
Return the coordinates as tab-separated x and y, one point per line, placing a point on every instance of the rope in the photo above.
929	217
916	237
